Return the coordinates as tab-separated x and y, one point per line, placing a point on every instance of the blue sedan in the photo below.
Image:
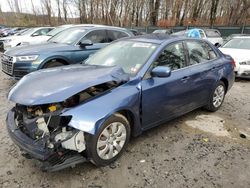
90	110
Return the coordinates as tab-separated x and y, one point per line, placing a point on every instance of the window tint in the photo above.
199	52
173	56
98	36
114	35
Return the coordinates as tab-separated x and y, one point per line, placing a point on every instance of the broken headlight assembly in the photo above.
44	122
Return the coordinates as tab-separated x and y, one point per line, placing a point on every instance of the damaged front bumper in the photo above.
50	159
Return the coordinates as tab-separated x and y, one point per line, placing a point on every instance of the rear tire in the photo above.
110	140
217	97
53	63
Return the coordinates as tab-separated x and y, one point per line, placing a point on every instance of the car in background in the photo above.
70	46
4	32
239	49
9	31
87	112
212	35
164	31
45	38
20	32
30	34
234	36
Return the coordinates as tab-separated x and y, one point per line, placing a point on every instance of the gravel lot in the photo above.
180	153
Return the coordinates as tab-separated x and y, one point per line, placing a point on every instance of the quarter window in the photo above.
97	36
173	56
199	52
114	35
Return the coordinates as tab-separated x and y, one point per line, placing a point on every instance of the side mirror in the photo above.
217	45
85	43
161	71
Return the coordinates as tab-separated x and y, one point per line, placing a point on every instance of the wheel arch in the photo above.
61	59
225	81
129	115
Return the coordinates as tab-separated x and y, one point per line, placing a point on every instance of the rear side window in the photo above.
97	36
199	52
114	35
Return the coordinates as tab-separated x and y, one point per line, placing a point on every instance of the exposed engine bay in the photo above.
43	123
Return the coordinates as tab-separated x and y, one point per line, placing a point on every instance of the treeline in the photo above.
130	12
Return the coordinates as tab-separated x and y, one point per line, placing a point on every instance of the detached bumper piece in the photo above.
49	159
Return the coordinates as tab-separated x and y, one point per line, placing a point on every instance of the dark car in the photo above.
70	114
70	46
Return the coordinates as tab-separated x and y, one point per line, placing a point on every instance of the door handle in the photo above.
185	78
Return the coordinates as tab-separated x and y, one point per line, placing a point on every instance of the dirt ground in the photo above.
200	149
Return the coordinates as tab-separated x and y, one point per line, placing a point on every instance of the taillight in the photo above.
233	63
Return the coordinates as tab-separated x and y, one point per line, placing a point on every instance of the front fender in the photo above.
89	116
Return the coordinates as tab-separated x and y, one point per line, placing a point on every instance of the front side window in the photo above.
199	52
114	35
97	36
173	56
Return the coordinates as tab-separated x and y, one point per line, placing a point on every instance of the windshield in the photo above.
57	30
68	36
129	55
29	31
238	43
212	33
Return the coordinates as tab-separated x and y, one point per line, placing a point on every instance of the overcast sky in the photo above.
26	7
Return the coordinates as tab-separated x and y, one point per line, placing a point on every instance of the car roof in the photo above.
242	37
157	38
91	26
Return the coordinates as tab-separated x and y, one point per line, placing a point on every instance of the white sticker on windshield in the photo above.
141	45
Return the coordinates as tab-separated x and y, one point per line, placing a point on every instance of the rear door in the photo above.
203	69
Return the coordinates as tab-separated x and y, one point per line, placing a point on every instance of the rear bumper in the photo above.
49	159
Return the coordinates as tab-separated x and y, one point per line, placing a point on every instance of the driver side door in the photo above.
99	40
166	97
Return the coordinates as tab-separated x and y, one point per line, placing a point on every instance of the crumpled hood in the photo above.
239	55
34	49
58	84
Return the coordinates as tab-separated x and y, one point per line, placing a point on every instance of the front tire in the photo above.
110	140
53	63
217	97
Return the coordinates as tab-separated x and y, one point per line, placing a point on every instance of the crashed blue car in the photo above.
87	112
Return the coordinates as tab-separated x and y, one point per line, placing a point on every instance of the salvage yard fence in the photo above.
224	30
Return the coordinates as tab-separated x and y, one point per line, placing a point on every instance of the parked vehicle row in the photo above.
70	46
212	35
